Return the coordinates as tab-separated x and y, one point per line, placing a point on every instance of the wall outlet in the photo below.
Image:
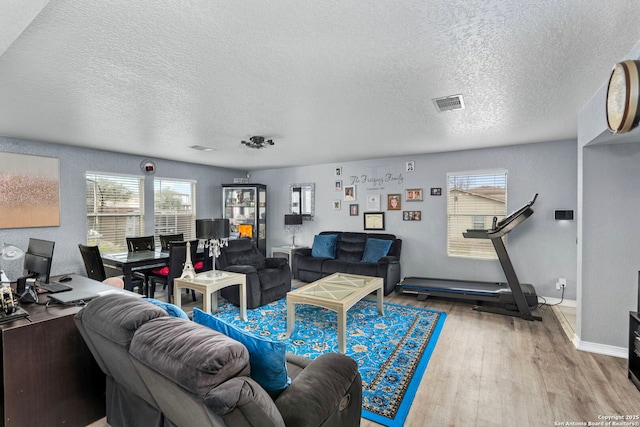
563	282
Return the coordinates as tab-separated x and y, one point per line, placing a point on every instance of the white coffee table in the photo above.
337	292
209	285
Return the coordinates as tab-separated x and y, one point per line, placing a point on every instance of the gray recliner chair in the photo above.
174	372
268	279
108	328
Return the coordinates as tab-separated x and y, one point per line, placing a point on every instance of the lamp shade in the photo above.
220	228
212	228
292	219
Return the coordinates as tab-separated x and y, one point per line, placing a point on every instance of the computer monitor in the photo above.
38	265
41	247
37	259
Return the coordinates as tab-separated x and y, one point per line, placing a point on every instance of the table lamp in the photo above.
293	225
215	232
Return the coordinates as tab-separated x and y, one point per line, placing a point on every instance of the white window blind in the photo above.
174	207
473	200
115	210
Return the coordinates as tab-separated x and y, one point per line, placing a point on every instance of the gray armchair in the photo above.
268	279
164	371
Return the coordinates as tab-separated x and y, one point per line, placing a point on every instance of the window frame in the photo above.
189	232
463	214
115	240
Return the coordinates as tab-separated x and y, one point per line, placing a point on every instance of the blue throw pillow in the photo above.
324	246
375	249
267	358
173	310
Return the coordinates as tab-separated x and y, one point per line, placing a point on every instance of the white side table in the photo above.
286	251
209	286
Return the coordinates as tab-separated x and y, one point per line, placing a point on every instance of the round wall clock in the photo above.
623	95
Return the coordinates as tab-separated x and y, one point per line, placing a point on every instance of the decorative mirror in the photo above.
302	200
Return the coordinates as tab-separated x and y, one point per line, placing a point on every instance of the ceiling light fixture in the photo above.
258	142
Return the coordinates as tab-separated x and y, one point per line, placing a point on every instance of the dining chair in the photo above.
166	239
145	243
95	267
137	244
177	259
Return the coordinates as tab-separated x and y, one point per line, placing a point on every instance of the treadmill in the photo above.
512	298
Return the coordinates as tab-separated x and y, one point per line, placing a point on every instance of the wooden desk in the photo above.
49	377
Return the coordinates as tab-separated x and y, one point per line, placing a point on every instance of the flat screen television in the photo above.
37	259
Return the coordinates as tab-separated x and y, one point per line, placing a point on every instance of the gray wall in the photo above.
541	249
610	242
608	261
74	162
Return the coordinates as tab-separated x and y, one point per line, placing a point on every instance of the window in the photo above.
473	200
115	210
174	207
479	222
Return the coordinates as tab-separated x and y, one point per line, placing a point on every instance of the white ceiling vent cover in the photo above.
449	103
201	148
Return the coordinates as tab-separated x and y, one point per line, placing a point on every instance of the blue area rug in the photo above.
392	351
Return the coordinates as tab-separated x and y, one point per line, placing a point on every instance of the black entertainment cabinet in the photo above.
634	348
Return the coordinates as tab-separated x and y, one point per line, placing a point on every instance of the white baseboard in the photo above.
607	350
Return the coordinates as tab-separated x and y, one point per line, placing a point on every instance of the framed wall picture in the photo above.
413	195
373	202
353	210
436	191
349	193
411	215
31	191
410	166
374	220
338	171
336	205
393	202
338	185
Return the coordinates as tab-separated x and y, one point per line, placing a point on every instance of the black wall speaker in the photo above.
564	214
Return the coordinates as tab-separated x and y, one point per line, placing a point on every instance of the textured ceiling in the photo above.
329	81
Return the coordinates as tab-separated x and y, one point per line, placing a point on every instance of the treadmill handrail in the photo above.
504	221
513	223
504	226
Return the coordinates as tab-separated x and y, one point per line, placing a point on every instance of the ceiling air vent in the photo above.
449	103
201	148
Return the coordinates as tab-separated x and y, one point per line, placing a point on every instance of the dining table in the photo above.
129	262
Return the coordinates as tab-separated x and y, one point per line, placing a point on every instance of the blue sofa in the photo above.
349	250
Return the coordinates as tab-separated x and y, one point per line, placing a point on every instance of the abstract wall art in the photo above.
29	191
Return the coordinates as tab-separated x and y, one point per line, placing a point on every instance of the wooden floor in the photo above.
492	370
